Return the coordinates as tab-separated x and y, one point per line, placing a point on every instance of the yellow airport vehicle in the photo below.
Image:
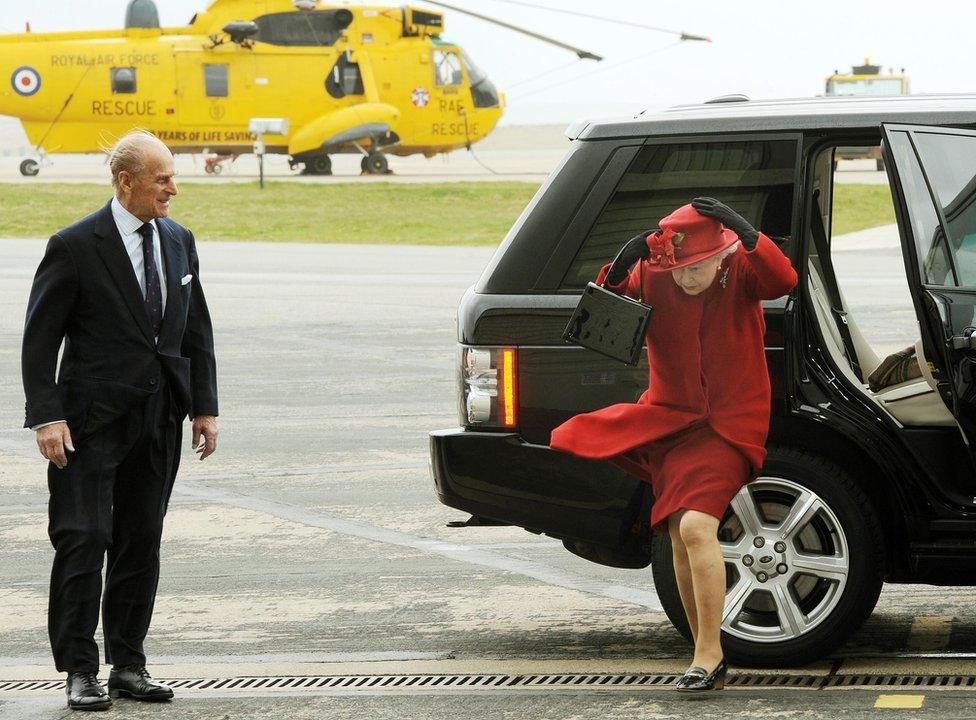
343	79
865	80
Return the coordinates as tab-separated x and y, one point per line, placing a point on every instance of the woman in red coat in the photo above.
698	433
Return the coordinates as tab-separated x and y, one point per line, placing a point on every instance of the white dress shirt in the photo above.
128	226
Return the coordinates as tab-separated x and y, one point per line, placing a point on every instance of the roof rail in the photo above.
733	98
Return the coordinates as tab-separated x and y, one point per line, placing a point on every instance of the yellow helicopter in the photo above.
357	79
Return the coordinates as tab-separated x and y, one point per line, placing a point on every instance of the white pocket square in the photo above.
186	279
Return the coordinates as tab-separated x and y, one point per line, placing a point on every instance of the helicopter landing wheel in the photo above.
319	165
29	168
375	164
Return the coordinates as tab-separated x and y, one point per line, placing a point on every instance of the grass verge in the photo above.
858	207
399	214
421	214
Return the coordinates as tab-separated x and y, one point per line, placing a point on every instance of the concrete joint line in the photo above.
453	551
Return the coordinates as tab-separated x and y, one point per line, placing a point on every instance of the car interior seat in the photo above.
913	402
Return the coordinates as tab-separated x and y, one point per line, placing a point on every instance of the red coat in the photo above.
707	363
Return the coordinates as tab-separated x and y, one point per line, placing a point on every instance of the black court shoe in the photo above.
85	692
698	680
134	681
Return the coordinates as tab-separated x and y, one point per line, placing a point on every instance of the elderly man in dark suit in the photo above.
121	290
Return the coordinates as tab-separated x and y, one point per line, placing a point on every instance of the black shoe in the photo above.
85	692
697	679
134	681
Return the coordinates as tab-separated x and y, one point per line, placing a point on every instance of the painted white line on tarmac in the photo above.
453	551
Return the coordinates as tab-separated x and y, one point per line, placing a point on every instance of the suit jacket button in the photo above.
152	381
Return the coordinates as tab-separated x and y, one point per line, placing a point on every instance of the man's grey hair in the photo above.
128	154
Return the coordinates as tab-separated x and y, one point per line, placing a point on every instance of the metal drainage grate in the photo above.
463	683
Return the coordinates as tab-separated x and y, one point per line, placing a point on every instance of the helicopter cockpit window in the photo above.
447	68
301	29
123	80
215	80
483	91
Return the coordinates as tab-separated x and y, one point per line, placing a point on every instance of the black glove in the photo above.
710	207
635	249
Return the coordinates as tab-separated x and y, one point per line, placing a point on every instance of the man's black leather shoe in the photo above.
134	681
85	692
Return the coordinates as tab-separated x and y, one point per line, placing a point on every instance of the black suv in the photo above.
859	487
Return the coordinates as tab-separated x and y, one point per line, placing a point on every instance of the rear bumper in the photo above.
501	477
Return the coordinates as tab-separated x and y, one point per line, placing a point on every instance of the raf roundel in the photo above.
26	81
420	97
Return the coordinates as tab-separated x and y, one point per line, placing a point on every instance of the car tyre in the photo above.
851	600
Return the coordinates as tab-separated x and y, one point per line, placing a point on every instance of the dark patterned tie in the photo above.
154	295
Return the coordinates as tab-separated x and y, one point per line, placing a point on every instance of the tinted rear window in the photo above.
755	178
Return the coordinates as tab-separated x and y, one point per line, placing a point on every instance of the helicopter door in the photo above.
447	95
215	98
933	173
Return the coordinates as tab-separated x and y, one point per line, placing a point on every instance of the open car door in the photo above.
933	178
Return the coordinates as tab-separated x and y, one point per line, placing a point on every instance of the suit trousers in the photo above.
111	498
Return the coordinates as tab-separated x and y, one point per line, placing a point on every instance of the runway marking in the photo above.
930	632
900	702
453	551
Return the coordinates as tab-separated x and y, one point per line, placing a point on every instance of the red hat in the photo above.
685	238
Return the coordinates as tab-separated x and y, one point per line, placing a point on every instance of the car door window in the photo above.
754	177
930	246
950	162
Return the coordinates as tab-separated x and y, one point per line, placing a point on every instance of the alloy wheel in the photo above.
786	558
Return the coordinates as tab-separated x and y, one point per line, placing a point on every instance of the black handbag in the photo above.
608	323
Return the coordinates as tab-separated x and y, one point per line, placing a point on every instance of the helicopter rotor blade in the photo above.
580	52
614	21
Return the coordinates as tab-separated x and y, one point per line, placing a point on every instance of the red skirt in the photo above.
694	469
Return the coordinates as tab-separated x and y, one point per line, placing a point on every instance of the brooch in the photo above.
723	281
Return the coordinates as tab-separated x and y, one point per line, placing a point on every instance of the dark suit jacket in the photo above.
86	294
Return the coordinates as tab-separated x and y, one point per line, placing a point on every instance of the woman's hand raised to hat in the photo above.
635	249
710	207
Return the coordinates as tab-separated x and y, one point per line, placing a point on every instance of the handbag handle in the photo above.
640	267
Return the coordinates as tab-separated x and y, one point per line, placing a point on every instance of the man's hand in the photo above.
206	426
54	441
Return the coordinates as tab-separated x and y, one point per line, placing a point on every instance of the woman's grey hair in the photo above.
128	154
729	250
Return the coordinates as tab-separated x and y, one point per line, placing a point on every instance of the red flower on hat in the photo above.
661	245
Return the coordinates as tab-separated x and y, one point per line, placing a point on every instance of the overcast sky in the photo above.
763	48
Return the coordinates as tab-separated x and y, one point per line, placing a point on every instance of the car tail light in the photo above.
489	387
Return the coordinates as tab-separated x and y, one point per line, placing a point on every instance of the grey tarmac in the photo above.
312	543
740	705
